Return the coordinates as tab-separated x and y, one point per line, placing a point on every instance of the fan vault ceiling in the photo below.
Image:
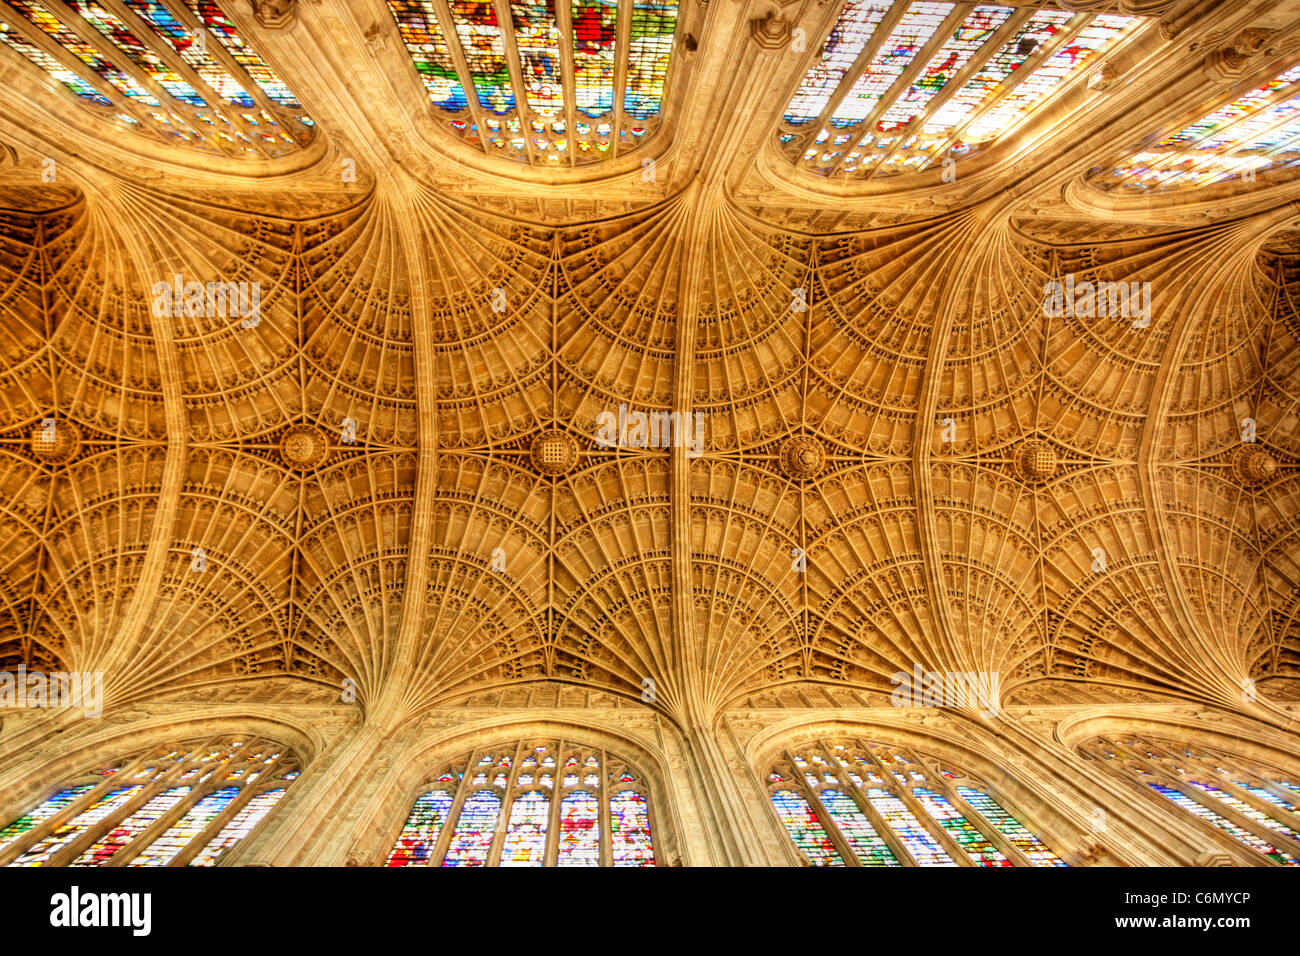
883	398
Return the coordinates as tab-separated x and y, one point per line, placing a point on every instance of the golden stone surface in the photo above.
554	452
304	447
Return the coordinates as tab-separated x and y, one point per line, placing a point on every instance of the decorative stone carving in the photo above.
376	38
802	457
275	14
1210	858
304	447
1103	78
554	452
56	441
1229	63
1253	466
771	32
1036	461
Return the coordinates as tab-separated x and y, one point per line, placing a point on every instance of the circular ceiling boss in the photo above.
802	457
304	447
554	452
1036	460
56	441
1252	465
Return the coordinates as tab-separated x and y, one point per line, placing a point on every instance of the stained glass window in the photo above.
551	85
867	804
1258	130
579	830
1248	801
173	71
902	86
531	803
174	806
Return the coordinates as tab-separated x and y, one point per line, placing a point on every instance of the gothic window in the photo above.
1256	806
534	803
1258	130
551	82
171	806
900	86
176	72
856	803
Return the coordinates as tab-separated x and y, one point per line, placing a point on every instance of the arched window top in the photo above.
185	805
176	72
900	87
1258	806
530	803
1258	130
546	82
859	803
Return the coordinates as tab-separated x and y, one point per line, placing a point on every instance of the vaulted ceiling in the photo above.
393	476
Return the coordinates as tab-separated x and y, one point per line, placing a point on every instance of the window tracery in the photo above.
857	803
1258	130
1253	804
562	82
900	87
531	803
174	72
170	806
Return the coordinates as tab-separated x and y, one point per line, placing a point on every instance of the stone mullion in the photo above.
459	60
217	50
1191	150
551	857
210	832
603	795
145	32
523	108
146	837
949	89
976	819
73	810
200	789
1290	796
622	44
851	75
881	825
991	833
945	839
564	24
1280	814
47	44
902	82
1018	75
833	832
876	817
507	805
1211	773
465	789
934	780
92	835
1171	780
91	36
